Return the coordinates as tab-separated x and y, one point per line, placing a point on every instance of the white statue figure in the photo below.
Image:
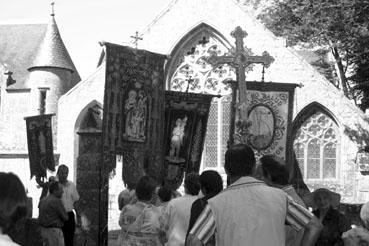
141	114
130	110
177	137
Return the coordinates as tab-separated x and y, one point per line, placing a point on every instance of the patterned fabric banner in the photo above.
133	120
40	144
186	117
270	108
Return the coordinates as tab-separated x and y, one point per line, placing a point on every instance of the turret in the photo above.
52	72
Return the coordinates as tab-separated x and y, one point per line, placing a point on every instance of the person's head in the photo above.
273	172
211	182
239	160
56	189
13	201
192	184
165	193
322	198
62	173
364	215
145	188
132	94
52	179
130	185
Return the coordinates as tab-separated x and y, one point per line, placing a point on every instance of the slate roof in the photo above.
18	47
27	46
52	51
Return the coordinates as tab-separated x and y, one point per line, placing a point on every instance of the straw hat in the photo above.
309	199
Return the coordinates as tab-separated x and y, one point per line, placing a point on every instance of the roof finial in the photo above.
52	8
136	39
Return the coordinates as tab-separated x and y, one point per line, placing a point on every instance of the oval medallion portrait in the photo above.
262	126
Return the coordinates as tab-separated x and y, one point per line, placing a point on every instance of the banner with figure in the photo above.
186	117
40	144
270	108
133	120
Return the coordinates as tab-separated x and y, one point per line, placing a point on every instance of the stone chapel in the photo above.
187	31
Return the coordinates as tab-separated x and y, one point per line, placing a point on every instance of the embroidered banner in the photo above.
40	144
270	108
186	117
133	120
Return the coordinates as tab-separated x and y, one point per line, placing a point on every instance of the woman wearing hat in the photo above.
334	223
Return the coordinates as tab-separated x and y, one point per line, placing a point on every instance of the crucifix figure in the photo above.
240	60
136	38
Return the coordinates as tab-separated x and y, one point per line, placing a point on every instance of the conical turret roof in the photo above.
52	51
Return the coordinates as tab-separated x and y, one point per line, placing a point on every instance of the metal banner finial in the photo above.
136	38
52	9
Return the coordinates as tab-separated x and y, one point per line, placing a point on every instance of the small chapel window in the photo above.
42	100
316	149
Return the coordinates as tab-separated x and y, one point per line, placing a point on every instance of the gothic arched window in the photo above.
190	65
316	149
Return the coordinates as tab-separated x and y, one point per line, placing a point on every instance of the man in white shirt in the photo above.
70	196
249	212
275	174
176	216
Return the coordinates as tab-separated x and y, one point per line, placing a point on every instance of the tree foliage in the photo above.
342	26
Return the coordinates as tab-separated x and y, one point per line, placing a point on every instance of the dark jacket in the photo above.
334	224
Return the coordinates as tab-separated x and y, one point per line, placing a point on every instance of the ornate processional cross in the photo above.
240	60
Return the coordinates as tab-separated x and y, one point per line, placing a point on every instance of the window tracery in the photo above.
207	79
204	78
316	149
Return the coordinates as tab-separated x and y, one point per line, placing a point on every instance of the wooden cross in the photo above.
136	38
241	60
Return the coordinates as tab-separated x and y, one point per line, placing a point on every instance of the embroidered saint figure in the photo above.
177	137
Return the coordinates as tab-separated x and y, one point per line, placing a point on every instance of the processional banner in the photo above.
133	119
186	117
270	109
40	144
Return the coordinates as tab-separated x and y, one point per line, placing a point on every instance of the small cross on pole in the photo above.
190	80
241	60
136	38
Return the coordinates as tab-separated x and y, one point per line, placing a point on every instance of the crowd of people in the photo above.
258	207
56	219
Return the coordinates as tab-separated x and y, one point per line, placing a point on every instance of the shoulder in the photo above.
358	232
71	184
6	241
273	190
175	201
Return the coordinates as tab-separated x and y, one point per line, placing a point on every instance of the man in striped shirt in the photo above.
249	212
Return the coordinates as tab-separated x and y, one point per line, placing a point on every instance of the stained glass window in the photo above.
226	117
204	78
211	138
316	149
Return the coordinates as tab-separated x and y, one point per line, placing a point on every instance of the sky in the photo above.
83	23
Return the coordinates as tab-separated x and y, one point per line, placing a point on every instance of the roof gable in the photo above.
181	17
